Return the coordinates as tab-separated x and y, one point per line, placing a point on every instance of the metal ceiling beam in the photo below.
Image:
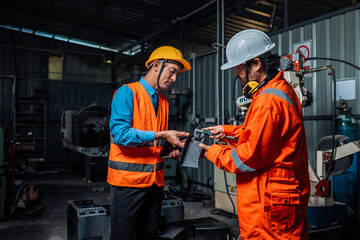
202	21
166	36
261	18
128	37
159	33
89	20
246	25
145	8
44	12
246	20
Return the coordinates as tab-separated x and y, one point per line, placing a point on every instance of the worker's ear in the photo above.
256	64
156	65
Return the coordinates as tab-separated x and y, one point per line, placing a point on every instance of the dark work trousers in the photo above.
135	212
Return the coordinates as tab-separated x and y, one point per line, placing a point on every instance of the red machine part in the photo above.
323	188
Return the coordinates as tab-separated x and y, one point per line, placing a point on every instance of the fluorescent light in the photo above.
61	38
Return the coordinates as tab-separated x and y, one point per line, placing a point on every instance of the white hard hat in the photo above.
246	45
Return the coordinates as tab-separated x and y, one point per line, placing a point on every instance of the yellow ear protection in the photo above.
252	87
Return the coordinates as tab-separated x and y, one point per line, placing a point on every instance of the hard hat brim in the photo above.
185	63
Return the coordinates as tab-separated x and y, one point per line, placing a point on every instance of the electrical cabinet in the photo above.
30	123
225	190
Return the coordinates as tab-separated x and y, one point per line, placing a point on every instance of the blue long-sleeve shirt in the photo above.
122	113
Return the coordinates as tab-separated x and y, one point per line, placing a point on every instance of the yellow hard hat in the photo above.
170	54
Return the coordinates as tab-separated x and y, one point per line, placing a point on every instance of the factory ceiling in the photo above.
132	28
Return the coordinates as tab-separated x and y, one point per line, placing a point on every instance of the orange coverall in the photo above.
271	165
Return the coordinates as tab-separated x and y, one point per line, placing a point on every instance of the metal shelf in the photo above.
30	114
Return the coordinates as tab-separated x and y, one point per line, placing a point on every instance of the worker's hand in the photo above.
217	131
175	154
205	147
172	137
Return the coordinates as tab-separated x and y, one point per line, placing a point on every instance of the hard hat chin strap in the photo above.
161	70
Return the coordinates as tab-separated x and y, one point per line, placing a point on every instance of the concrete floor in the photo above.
59	187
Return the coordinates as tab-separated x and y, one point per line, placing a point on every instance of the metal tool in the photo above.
207	132
192	152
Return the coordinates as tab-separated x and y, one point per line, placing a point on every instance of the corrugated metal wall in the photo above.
26	57
60	96
337	37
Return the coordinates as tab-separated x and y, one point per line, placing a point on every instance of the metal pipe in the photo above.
166	27
219	88
175	20
286	13
193	70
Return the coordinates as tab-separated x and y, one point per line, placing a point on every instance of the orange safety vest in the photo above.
140	166
271	162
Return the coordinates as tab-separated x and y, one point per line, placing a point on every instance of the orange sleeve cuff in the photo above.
228	129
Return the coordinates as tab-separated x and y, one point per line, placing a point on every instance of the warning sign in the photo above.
305	49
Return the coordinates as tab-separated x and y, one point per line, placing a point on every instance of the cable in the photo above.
227	191
331	166
332	59
223	213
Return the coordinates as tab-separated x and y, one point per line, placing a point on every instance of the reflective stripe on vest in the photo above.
135	167
239	164
278	93
159	142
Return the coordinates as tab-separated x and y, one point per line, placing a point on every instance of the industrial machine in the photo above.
85	133
329	219
87	220
179	100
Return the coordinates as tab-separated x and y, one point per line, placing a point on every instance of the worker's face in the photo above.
169	74
240	73
253	71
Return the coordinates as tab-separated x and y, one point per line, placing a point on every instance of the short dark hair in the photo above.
270	64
